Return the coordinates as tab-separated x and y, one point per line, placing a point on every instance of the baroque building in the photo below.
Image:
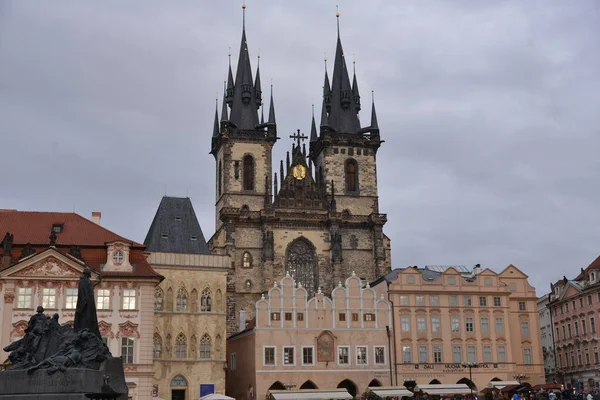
43	256
320	342
446	317
317	216
188	344
547	339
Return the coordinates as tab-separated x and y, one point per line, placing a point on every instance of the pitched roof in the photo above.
34	227
175	228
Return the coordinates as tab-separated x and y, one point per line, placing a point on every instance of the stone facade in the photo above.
341	341
446	316
547	339
189	329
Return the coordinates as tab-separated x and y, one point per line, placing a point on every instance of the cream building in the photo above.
321	342
189	326
445	317
41	266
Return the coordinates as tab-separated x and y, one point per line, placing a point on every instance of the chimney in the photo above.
96	216
242	320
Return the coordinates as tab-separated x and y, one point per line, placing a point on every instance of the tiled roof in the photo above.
34	227
175	228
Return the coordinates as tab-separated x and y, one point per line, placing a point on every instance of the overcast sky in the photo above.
489	111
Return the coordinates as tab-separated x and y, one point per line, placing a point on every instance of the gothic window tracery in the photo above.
158	299
182	300
206	301
205	344
157	346
180	346
301	264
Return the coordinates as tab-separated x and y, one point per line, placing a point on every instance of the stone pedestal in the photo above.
72	384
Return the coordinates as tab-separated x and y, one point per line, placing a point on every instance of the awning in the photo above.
547	386
310	394
501	384
510	388
390	391
216	396
441	389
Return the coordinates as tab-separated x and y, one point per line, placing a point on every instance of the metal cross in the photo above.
298	136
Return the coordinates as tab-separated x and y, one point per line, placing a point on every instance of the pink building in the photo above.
574	309
317	343
42	258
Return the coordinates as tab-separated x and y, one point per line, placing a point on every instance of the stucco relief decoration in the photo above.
49	267
9	297
128	329
325	347
19	328
118	258
105	329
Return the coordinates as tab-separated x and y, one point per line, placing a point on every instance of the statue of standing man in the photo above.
85	312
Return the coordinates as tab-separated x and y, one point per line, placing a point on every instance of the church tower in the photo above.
317	217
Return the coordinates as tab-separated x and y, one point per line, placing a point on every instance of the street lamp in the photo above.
520	377
470	365
289	385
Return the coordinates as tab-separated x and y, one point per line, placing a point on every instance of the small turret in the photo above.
224	109
355	93
271	120
216	125
257	88
313	127
230	84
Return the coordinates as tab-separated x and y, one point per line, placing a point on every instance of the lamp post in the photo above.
470	365
520	377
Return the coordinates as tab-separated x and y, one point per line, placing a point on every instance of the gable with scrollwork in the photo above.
128	329
106	329
48	267
18	328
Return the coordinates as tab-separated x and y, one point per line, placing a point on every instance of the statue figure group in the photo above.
50	346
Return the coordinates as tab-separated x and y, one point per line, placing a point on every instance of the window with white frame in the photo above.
524	328
404	300
421	325
423	354
406	354
501	353
586	351
128	299
361	355
499	325
455	324
435	324
379	355
49	298
482	301
269	356
468	301
434	301
289	355
487	354
469	325
497	301
71	298
127	348
453	301
343	355
522	306
485	324
405	324
307	356
527	356
24	297
471	354
103	299
596	356
456	354
437	353
420	301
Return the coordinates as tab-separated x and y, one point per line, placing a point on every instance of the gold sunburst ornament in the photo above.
299	172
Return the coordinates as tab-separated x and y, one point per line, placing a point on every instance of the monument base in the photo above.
72	384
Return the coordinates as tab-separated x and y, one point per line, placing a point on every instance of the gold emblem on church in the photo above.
299	172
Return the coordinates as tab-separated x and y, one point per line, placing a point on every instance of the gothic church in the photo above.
317	216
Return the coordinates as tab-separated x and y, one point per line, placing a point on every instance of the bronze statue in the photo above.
85	311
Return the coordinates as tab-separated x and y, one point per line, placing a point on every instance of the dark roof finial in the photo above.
374	124
271	120
337	15
244	15
216	125
313	127
224	108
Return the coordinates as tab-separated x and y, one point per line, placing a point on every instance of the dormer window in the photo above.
118	257
58	228
177	219
164	235
193	237
592	277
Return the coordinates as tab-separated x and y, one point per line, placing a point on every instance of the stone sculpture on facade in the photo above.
7	243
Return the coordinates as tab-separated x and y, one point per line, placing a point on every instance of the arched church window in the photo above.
247	260
157	346
351	175
302	264
248	165
180	346
182	300
205	344
206	301
158	299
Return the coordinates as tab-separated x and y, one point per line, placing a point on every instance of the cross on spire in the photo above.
298	136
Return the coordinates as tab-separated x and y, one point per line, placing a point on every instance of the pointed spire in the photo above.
257	88
275	183
374	124
281	175
327	89
355	93
216	126
343	112
287	163
230	84
224	109
324	117
262	114
313	127
271	120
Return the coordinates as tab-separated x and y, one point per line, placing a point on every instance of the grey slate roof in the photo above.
175	228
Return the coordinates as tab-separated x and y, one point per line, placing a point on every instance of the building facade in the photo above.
445	317
189	324
43	256
574	308
547	339
342	341
317	216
